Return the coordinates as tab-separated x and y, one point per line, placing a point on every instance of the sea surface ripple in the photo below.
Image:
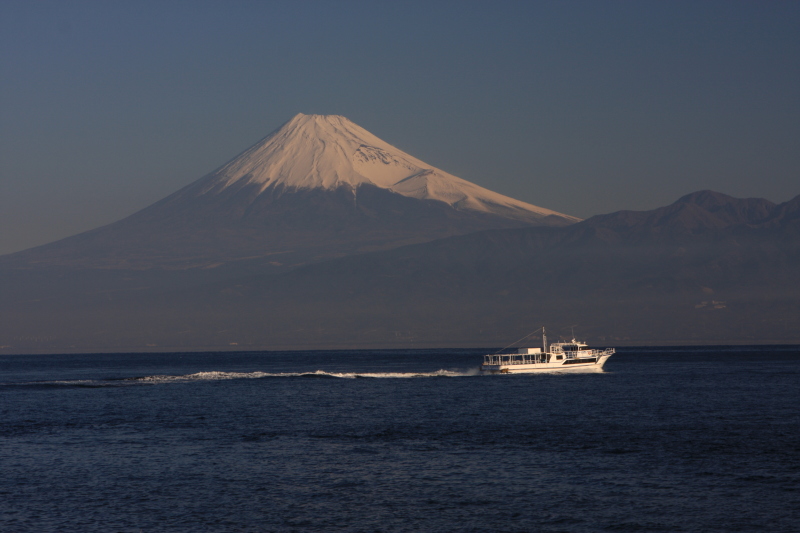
667	439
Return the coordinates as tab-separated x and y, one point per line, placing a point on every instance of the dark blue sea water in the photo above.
667	439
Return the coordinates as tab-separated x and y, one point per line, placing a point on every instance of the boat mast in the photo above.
544	340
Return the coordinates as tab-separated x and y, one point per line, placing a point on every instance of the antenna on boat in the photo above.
544	340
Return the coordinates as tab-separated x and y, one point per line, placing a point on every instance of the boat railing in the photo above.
514	359
592	352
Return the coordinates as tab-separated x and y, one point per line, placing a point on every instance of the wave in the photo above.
213	376
218	375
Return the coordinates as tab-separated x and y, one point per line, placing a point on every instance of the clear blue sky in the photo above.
583	107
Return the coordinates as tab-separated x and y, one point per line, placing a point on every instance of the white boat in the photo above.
573	356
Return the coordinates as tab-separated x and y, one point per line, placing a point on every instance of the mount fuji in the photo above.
317	188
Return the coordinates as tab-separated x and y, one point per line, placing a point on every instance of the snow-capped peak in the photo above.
330	151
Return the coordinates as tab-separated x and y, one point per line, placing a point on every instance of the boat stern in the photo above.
493	369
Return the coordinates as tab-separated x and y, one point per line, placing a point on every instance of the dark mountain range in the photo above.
707	269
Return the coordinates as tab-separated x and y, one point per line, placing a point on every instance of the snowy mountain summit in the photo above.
330	151
317	188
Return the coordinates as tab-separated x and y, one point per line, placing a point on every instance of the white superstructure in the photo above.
562	356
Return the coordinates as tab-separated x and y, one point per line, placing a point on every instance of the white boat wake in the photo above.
214	376
219	376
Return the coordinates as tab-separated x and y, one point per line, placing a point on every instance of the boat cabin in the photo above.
567	352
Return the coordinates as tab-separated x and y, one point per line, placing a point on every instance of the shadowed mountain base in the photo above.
707	269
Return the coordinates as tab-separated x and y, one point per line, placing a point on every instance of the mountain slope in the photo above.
727	271
329	152
316	188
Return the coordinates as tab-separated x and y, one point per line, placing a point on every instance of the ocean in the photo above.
666	439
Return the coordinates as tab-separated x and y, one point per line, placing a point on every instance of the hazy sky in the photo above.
581	107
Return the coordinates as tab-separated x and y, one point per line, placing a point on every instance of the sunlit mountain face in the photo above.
316	188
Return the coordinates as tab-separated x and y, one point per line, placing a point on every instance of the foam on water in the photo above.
212	376
219	375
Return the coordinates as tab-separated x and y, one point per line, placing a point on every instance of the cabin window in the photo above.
558	357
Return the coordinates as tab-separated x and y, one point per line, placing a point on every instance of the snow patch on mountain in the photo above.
330	151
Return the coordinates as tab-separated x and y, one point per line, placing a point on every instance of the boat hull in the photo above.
535	368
